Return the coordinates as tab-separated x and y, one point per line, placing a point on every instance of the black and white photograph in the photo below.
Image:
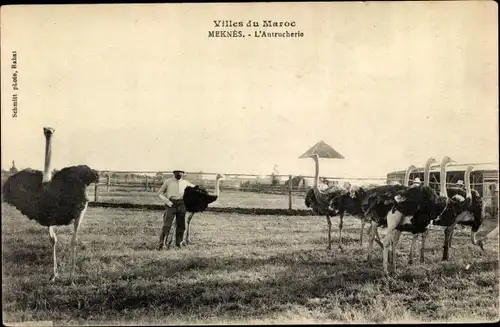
250	163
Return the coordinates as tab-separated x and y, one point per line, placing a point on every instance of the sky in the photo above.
143	87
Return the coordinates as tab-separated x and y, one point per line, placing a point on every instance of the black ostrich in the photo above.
465	208
56	201
413	212
197	199
369	203
320	202
377	202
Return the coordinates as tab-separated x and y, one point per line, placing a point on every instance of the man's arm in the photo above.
161	192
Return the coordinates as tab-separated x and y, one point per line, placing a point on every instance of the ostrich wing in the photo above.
76	175
322	207
310	198
379	200
22	190
422	201
68	186
197	198
65	195
459	203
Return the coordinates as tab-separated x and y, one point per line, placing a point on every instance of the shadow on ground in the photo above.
347	283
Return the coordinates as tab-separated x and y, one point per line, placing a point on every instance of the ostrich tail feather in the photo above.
197	198
211	198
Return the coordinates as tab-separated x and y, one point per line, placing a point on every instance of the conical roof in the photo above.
323	150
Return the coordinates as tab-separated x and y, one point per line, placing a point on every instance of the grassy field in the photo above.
227	199
241	269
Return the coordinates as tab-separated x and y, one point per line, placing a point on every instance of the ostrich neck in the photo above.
217	187
467	184
48	153
442	180
317	191
407	177
427	173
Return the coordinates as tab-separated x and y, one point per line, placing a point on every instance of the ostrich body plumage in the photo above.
322	206
422	204
54	203
197	198
373	202
473	205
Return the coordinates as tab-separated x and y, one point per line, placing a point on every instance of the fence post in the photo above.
147	183
95	191
154	184
108	182
290	192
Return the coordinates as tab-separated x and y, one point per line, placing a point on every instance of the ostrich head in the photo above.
431	161
48	131
220	177
446	160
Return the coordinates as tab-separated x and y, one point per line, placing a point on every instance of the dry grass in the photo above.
242	269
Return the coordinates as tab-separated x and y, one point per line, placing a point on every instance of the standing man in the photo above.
172	192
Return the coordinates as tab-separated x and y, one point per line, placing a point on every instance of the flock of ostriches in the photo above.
61	200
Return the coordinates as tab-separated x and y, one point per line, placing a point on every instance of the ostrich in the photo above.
427	176
56	201
413	212
466	208
359	202
196	200
320	201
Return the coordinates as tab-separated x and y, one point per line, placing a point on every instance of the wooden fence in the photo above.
284	191
292	187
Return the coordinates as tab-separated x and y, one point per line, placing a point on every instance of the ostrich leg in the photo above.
412	248
362	230
170	233
53	241
187	227
395	240
377	237
448	233
168	219
329	221
372	232
74	240
422	246
341	224
393	220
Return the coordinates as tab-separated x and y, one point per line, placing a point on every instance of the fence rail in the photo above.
283	192
236	190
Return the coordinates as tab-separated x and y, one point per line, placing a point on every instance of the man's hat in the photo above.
416	181
179	171
460	182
